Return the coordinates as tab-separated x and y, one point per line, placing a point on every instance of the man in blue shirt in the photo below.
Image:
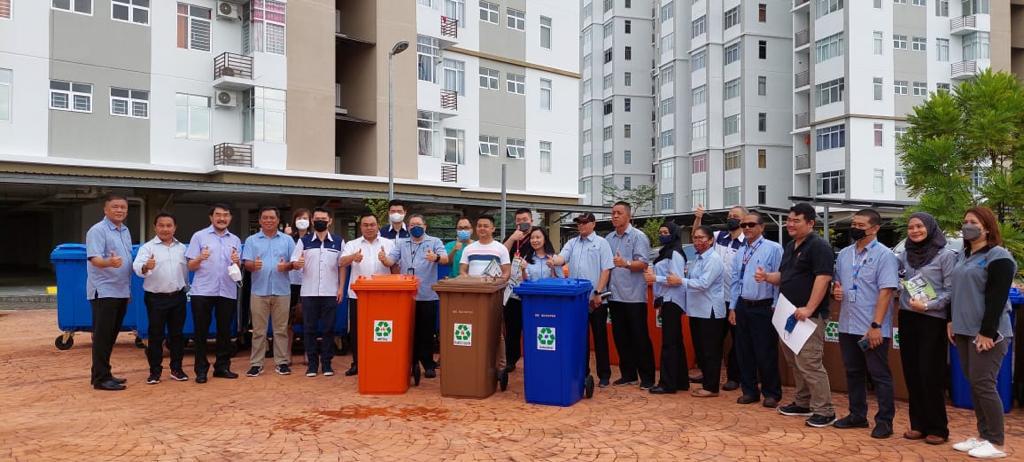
108	286
867	276
750	311
628	301
267	255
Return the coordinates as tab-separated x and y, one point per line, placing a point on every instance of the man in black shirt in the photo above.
803	278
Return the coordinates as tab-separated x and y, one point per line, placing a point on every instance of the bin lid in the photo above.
470	284
389	282
68	251
552	286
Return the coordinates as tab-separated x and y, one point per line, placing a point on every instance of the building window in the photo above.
700	95
879	131
733	160
762	85
668	138
762	194
489	146
5	9
627	79
942	8
942	86
699	129
608	132
129	103
668	169
878	42
668	106
731	125
455	76
878	181
833	182
942	49
70	96
516	19
608	82
608	4
263	27
699	163
627	131
900	87
732	53
607	159
667	11
489	12
901	178
628	54
585	162
455	146
824	7
920	89
627	157
627	183
877	82
427	54
609	29
545	94
585	186
668	43
265	115
608	56
762	122
627	26
515	83
516	148
427	132
899	41
698	198
586	90
627	104
732	17
489	78
668	202
919	2
974	7
135	11
629	4
828	48
545	32
731	195
193	27
698	27
830	92
918	43
833	137
698	61
878	4
608	107
762	12
192	116
74	6
731	89
762	49
976	46
6	79
762	158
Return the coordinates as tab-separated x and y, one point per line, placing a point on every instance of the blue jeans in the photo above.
318	318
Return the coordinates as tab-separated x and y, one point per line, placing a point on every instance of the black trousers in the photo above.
423	335
756	345
166	314
673	351
858	364
107	316
599	331
513	331
923	351
732	365
636	354
204	310
318	316
708	339
353	330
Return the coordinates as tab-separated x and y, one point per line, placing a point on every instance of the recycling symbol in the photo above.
832	331
382	331
463	334
546	338
896	338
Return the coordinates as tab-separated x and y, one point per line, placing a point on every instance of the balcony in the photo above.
802	120
449	27
232	154
964	69
799	3
963	25
449	173
801	162
801	38
232	71
802	79
449	100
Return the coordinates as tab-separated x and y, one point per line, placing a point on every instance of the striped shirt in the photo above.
478	256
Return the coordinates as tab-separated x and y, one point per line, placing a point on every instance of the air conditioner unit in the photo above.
226	99
228	10
228	152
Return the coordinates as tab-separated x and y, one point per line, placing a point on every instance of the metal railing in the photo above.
233	154
449	173
449	27
449	99
801	120
232	65
801	38
964	68
801	162
802	79
962	22
799	3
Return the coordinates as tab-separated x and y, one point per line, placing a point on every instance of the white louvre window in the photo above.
129	103
668	138
74	6
698	61
70	96
668	106
516	19
698	27
920	89
731	125
489	12
488	145
731	195
667	12
192	116
942	49
918	44
699	198
489	78
515	83
732	161
699	129
878	42
193	27
877	84
732	17
516	148
900	87
134	11
545	156
899	41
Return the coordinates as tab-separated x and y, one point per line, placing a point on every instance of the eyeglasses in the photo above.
749	225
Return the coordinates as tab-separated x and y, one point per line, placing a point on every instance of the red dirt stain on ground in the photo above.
315	420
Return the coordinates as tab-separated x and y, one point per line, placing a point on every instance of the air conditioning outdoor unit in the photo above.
228	152
226	99
228	10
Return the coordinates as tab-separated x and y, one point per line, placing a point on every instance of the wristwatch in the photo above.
875	325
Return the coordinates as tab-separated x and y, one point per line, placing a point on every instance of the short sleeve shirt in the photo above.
799	267
587	257
478	256
412	259
271	250
628	286
105	240
862	276
371	264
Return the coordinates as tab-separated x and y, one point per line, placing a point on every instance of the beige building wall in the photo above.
310	103
1017	38
396	21
1000	36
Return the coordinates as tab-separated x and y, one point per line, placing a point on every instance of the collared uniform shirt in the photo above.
938	273
760	253
727	248
171	271
587	257
104	240
321	276
800	266
863	275
211	279
539	269
675	265
272	250
412	259
371	264
628	286
705	286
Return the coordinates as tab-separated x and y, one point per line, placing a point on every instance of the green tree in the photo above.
379	208
641	197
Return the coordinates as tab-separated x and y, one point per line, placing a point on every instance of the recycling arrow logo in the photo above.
832	331
382	330
546	338
463	335
896	338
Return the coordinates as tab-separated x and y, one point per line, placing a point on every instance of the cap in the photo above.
585	217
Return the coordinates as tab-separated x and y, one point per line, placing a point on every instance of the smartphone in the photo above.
864	344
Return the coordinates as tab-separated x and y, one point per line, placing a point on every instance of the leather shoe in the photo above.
770	403
120	380
660	390
431	373
935	439
747	399
913	435
354	370
200	378
109	385
225	374
882	430
730	385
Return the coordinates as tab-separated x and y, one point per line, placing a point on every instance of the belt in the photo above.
757	303
176	293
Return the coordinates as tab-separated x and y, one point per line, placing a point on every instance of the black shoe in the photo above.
179	376
201	377
109	385
503	380
326	368
153	379
730	385
792	409
820	421
510	368
770	403
283	369
624	381
311	370
254	371
747	399
354	370
603	383
225	374
431	373
646	386
851	421
120	380
659	390
882	430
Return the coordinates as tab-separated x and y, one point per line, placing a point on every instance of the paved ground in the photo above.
49	412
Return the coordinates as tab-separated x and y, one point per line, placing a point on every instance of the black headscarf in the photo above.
922	253
676	245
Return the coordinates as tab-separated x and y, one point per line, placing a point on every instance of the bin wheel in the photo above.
503	380
416	374
140	343
588	387
64	341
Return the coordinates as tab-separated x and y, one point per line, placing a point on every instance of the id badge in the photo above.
852	295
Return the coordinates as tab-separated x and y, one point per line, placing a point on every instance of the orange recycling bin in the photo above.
387	309
654	330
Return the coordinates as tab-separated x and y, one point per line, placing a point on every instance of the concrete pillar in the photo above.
554	228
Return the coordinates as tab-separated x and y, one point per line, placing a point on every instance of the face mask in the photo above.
320	225
665	240
733	224
463	234
970	232
302	224
524	227
417	231
857	234
397	217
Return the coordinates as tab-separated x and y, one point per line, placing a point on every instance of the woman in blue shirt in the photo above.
671	261
704	284
536	256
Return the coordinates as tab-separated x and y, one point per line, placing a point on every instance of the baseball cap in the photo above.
585	217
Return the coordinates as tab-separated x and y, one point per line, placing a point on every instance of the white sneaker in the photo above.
986	451
968	445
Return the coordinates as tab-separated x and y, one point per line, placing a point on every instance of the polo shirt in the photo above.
799	267
320	274
271	250
705	286
103	240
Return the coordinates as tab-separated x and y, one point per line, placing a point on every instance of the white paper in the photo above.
803	330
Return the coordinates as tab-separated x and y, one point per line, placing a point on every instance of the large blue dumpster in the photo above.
555	340
74	313
960	388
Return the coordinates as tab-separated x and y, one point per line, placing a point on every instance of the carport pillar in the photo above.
554	228
826	224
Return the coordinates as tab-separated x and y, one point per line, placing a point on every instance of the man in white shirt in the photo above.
318	255
475	260
162	265
360	255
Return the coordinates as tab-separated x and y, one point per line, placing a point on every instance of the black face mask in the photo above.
733	224
524	227
857	234
320	225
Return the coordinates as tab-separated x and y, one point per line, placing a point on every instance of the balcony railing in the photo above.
802	79
449	27
232	65
801	120
964	69
801	162
233	154
450	100
963	22
449	173
799	3
801	38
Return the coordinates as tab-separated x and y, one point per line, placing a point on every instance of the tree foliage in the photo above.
641	197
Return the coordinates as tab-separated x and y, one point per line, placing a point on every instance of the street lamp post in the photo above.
398	48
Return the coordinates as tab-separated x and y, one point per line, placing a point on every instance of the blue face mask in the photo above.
463	234
665	240
417	231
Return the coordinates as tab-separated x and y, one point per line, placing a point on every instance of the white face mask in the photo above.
302	224
397	217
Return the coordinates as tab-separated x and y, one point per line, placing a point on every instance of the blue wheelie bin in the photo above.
74	312
960	388
555	340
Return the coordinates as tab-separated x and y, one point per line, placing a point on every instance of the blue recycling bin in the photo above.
960	388
555	340
74	312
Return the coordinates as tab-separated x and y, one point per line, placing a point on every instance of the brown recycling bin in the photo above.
470	326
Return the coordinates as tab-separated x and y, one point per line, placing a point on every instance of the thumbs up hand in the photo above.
673	279
288	230
283	266
431	256
699	212
619	261
234	255
382	257
649	275
358	256
760	275
258	263
301	262
150	264
837	291
114	260
205	254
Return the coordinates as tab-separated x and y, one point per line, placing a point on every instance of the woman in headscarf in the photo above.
671	261
926	269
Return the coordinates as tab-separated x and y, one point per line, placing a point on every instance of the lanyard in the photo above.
858	265
747	255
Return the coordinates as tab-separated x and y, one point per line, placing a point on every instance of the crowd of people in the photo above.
730	288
